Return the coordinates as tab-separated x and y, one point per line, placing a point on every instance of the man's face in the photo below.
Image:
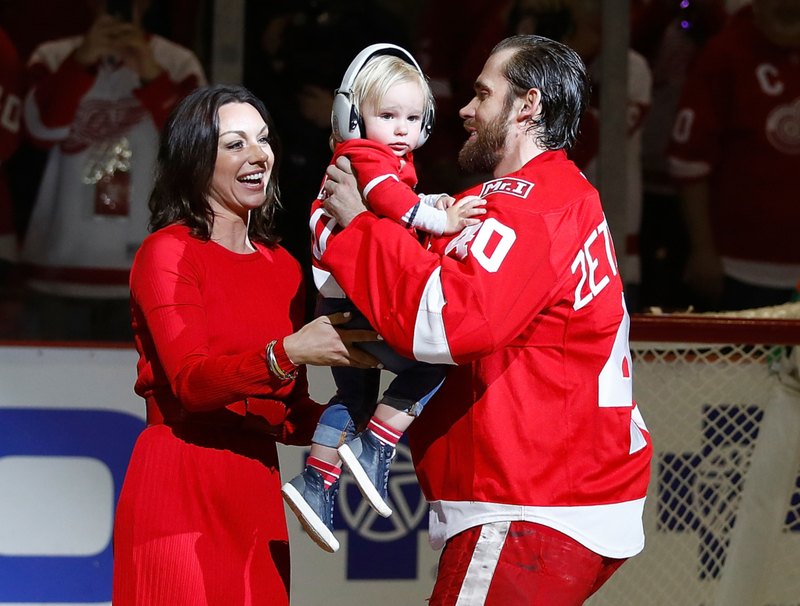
486	118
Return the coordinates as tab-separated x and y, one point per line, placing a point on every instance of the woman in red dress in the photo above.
217	310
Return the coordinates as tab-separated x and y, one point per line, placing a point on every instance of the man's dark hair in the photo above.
560	76
187	155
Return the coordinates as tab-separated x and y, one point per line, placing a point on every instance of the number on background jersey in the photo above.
683	125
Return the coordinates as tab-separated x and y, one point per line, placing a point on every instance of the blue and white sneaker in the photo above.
368	459
312	503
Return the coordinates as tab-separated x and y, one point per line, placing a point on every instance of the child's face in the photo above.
397	122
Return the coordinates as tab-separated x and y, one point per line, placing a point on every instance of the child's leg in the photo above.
311	494
369	455
409	392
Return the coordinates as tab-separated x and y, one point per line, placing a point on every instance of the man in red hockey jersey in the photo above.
533	454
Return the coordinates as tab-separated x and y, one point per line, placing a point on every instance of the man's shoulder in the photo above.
547	182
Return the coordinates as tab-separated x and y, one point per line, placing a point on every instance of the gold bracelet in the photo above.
276	369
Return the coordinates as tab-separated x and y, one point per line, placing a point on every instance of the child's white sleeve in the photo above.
430	199
427	218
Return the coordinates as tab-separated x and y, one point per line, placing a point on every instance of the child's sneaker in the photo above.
313	506
368	459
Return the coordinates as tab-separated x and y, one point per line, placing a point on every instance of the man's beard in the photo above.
482	152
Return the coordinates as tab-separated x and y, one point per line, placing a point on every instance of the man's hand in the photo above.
343	200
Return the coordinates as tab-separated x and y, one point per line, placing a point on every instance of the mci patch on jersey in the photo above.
507	185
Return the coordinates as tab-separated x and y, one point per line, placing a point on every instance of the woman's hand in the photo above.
343	200
321	343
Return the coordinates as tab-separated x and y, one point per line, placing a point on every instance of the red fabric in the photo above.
59	90
519	421
200	518
538	566
392	197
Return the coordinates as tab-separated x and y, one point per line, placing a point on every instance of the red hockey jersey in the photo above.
538	421
737	127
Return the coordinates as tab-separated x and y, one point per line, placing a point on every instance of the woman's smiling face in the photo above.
244	161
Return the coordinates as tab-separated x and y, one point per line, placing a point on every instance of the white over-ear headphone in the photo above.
345	118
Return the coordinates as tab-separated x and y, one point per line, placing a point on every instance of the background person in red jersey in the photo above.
217	314
533	454
735	152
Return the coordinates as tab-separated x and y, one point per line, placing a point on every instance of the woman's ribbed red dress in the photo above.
200	520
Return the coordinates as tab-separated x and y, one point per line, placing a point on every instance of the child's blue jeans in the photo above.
357	388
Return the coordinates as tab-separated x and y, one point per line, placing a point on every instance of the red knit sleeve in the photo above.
166	281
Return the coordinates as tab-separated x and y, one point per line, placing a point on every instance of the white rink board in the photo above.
57	506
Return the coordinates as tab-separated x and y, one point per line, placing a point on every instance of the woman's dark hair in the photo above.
560	76
187	155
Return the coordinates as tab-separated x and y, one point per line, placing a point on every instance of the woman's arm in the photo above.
166	284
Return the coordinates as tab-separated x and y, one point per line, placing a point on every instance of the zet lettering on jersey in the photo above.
592	277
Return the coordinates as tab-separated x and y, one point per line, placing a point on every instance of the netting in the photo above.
716	534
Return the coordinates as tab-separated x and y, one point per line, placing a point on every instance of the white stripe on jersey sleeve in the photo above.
377	181
327	286
321	242
430	338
